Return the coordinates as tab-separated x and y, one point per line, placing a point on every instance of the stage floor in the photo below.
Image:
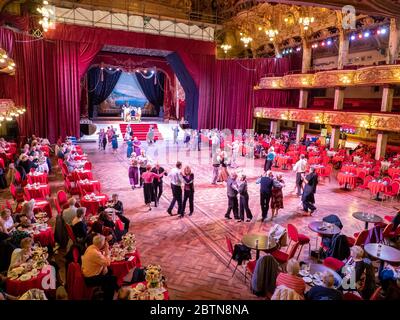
192	251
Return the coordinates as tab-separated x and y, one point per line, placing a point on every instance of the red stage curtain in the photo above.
227	97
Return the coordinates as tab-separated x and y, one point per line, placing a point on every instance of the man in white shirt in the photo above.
300	169
175	176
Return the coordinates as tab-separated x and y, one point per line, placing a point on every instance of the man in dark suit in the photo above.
266	182
158	183
232	192
310	188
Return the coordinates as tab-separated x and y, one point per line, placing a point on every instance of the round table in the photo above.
316	267
377	187
367	218
37	192
88	186
283	161
37	177
349	168
314	160
165	293
19	287
347	179
121	268
92	205
386	254
318	227
82	175
393	171
258	242
43	206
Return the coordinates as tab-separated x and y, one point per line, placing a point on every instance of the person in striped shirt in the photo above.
291	279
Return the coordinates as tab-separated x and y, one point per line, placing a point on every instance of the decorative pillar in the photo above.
335	136
394	40
274	127
381	143
300	131
305	68
387	98
343	49
339	98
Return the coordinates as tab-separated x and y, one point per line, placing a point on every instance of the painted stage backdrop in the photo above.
127	93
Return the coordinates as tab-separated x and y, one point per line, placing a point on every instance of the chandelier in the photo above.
245	39
7	65
271	34
48	18
306	21
226	47
8	111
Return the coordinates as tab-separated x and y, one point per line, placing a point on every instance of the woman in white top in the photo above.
21	255
6	221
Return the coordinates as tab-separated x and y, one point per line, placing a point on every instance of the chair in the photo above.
327	172
70	189
87	166
364	185
333	263
376	294
387	179
361	237
283	257
388	233
351	297
57	205
18	196
75	284
297	237
17	177
9	206
70	233
393	192
229	246
62	197
389	218
250	266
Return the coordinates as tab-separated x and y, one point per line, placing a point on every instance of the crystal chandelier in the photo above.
48	18
271	33
8	111
226	47
7	65
245	39
306	21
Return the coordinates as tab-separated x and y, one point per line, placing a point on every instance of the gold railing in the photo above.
375	121
372	76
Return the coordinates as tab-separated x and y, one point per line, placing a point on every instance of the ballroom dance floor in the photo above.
192	251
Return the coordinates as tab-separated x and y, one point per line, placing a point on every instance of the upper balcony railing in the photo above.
366	76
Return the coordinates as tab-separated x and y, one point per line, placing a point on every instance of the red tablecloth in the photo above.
314	160
82	175
393	171
376	187
38	177
349	168
121	268
78	150
43	206
40	192
18	287
45	237
165	293
319	169
293	154
365	170
283	161
348	178
337	159
314	154
90	186
92	205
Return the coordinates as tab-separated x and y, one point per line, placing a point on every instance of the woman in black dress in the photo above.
244	200
277	196
188	178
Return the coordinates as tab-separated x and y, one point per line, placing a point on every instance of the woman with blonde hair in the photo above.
188	189
223	173
291	279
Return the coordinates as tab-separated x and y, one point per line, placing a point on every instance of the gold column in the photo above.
381	143
394	40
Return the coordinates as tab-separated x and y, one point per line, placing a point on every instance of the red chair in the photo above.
364	185
87	166
297	237
17	178
327	172
18	196
389	218
351	297
387	179
75	284
9	206
62	197
283	257
333	263
394	190
250	266
376	294
388	233
70	233
70	189
361	237
57	205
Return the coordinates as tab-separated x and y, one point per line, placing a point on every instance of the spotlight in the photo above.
117	69
298	49
329	42
353	37
366	34
360	36
110	68
383	31
291	50
323	43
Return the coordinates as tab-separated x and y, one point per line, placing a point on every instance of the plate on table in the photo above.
307	280
304	273
317	282
25	277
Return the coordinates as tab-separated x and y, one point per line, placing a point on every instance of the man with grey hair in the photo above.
326	291
95	263
232	192
70	213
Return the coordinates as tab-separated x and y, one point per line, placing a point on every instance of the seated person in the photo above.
326	291
6	221
70	213
390	285
396	220
97	228
21	255
79	226
24	222
119	211
108	223
94	267
27	210
291	279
